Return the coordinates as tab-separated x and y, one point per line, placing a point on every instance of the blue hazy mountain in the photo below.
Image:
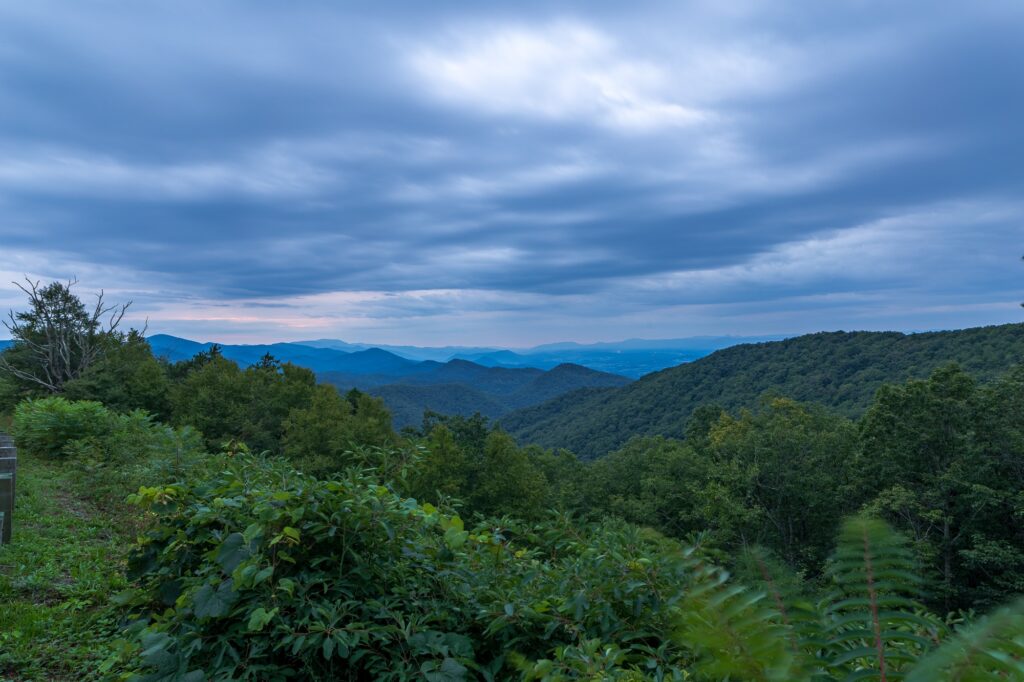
632	357
408	386
369	361
631	363
439	353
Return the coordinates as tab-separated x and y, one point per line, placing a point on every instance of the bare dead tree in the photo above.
58	338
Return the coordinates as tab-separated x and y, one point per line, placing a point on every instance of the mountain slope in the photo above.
631	358
838	369
494	380
563	379
438	354
461	387
407	403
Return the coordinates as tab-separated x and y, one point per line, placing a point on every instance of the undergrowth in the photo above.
57	576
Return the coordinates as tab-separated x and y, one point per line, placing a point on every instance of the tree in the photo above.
795	458
445	469
212	398
922	461
58	337
127	377
667	485
469	433
317	435
372	424
225	402
507	481
268	361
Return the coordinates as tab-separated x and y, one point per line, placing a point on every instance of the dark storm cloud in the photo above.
551	154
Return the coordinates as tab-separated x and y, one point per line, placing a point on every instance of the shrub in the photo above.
136	450
115	454
45	426
266	573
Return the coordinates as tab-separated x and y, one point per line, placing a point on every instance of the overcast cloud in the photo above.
518	173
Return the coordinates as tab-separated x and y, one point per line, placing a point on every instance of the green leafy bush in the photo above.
265	573
136	450
45	426
114	454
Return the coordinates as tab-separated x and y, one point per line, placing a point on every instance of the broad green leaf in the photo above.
259	618
233	551
211	603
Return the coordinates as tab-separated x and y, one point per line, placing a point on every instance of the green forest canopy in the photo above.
841	370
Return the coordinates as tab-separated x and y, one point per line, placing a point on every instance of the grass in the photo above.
66	560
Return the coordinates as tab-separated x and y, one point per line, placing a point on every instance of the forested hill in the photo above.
462	388
839	369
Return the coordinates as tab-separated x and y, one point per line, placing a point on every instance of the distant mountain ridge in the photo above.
841	370
631	363
632	357
438	354
410	387
369	361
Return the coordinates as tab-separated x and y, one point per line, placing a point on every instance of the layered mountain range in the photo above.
631	358
409	386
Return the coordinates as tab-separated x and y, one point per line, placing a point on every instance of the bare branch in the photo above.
57	336
5	366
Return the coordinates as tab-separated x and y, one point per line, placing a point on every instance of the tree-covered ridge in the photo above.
841	370
408	402
463	388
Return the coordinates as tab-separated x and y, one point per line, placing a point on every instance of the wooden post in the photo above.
8	476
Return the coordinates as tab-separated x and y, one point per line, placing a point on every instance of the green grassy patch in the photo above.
56	579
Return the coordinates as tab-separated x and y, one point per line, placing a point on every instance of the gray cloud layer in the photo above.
432	172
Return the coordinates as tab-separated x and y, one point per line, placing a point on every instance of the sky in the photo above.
518	173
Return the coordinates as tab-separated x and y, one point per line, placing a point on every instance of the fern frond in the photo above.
992	649
875	624
762	570
736	633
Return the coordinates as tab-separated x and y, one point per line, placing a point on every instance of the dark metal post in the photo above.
8	476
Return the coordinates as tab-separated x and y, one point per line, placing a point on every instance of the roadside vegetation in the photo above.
57	579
